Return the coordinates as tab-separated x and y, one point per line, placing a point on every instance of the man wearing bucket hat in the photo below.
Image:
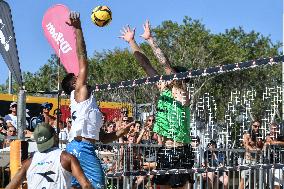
50	167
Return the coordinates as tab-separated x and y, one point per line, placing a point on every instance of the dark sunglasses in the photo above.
14	106
256	126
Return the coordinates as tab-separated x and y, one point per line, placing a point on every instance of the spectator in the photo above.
124	112
68	124
110	127
63	133
44	116
215	159
11	119
272	146
104	118
2	127
11	132
137	126
146	135
252	141
198	150
123	115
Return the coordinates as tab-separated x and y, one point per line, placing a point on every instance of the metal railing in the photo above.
137	166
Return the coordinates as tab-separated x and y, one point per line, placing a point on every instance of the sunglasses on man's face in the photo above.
256	126
14	106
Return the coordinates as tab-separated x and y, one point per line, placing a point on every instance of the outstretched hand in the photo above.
74	20
127	34
147	30
126	128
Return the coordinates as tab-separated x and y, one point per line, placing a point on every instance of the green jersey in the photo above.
172	119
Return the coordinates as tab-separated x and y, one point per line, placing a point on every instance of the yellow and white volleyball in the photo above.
101	16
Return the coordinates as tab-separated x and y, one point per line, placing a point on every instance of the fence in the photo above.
131	165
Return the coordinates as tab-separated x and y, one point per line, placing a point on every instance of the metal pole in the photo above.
21	114
10	83
283	62
58	97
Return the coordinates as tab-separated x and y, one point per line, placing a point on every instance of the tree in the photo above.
46	78
187	44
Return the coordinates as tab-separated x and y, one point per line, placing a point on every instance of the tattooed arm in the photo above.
163	60
128	36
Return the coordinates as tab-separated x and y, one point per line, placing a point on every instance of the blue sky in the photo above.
264	16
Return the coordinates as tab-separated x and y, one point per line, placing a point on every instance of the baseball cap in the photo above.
13	104
27	113
44	135
47	105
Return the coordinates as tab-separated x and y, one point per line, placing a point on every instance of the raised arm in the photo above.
128	35
163	60
81	91
109	137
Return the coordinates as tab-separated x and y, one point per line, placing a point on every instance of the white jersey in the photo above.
46	171
86	118
12	119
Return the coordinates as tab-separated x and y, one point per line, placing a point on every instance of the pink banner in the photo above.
61	36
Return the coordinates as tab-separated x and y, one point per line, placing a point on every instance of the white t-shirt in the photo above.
47	172
86	118
12	119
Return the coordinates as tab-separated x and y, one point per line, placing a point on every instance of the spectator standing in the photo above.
252	141
274	142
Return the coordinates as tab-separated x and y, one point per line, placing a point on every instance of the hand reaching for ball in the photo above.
74	20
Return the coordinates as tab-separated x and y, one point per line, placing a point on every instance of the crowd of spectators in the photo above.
137	150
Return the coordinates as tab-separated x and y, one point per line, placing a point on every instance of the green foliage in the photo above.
188	44
46	79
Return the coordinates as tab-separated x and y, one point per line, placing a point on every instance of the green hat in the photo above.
44	135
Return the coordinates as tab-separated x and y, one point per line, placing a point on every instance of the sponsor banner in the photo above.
8	47
61	36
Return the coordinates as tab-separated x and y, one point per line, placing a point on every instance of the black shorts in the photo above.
174	158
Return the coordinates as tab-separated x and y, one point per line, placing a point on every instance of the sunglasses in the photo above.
11	131
14	106
256	126
150	120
